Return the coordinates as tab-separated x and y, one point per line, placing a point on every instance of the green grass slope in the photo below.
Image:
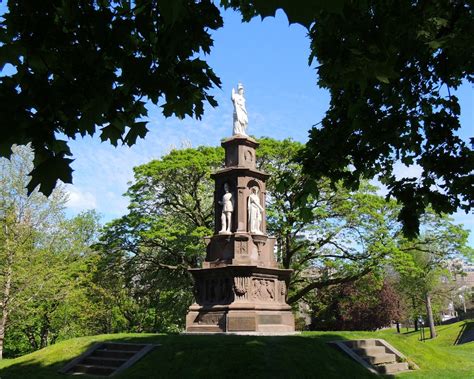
302	356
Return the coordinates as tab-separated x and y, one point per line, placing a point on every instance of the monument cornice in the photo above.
240	171
241	140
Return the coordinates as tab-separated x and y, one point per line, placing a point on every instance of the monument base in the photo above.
240	299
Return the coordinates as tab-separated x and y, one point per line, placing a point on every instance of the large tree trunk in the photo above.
415	321
30	334
5	301
44	332
2	336
429	312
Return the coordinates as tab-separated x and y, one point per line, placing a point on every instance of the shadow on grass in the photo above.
466	334
209	356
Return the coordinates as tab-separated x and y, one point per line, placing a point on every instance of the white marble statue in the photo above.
255	212
241	119
227	209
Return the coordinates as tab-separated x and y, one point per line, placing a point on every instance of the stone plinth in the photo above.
240	299
240	288
240	249
240	151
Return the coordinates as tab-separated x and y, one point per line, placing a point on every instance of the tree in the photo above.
369	303
56	303
423	263
44	260
327	235
21	219
88	65
389	66
150	249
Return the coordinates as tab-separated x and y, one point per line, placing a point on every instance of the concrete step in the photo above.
92	370
123	347
105	359
370	350
381	358
102	361
376	355
113	354
392	368
357	344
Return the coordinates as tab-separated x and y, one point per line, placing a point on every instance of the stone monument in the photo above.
240	287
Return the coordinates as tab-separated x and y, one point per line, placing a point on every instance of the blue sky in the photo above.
283	100
270	58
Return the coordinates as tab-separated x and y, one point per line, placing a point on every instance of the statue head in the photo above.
240	88
254	190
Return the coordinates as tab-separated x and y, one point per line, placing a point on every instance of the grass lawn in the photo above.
301	356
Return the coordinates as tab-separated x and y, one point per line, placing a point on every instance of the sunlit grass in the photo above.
302	356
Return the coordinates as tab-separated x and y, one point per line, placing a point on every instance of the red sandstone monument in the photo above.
240	287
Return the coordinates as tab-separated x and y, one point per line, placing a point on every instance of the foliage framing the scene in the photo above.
390	68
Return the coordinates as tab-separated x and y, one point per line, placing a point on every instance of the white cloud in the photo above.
80	200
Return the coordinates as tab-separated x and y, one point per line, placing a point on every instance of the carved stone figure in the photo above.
241	119
255	212
227	209
263	289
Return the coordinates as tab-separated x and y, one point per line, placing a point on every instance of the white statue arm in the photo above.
256	202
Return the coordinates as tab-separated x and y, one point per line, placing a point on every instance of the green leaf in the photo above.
48	172
138	129
171	10
382	78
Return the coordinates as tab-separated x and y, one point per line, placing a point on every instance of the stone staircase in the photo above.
107	359
376	355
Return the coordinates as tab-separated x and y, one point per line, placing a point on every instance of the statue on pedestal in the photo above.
240	113
227	209
255	212
240	288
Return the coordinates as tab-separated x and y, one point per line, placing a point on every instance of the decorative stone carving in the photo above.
259	240
240	113
248	156
227	203
255	212
213	291
243	248
282	291
241	287
263	289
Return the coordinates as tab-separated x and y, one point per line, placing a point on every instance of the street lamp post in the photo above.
421	322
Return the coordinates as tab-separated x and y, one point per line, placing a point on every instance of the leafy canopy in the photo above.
88	66
390	67
45	263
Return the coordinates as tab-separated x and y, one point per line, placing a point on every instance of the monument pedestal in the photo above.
240	289
240	299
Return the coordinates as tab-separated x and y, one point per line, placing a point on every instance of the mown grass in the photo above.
301	356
